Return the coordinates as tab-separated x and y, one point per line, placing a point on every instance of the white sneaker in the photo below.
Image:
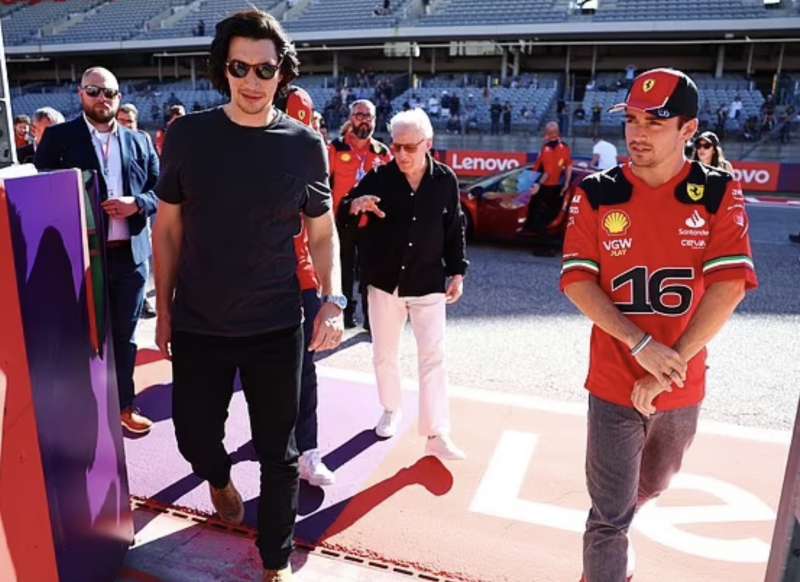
388	424
313	470
443	447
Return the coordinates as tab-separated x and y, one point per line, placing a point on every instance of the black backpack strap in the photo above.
607	188
704	185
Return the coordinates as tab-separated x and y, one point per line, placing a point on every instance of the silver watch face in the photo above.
339	301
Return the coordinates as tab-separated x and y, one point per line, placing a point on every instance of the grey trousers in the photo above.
630	459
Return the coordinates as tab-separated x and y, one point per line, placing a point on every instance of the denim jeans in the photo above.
630	459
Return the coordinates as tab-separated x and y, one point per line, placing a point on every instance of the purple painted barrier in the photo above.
73	383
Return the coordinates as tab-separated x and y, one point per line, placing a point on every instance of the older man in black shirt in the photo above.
225	264
413	242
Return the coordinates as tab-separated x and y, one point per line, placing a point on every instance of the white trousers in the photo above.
387	317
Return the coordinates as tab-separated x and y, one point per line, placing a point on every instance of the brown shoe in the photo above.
133	421
228	503
284	575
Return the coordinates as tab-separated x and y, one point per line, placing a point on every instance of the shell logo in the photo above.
346	158
616	222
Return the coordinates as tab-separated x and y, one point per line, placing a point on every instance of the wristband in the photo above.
643	343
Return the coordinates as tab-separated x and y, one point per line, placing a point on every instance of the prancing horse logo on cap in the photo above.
648	85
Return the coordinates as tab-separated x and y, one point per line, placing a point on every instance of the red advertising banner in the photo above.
757	176
754	176
486	163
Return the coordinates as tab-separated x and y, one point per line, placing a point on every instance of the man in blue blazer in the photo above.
127	167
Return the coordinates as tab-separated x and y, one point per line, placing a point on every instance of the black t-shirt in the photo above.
241	191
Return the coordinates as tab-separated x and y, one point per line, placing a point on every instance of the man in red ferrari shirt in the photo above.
297	104
555	164
657	255
351	157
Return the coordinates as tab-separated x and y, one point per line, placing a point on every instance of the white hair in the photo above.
53	115
414	118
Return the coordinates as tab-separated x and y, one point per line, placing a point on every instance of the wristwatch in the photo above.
339	301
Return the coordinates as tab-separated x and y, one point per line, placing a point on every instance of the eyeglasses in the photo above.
94	92
410	148
239	70
704	145
363	116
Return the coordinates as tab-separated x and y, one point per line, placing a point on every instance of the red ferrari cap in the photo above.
663	92
299	105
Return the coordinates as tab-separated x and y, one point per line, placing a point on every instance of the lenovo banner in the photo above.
757	176
754	176
475	163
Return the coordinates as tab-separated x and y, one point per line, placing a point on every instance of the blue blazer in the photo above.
69	145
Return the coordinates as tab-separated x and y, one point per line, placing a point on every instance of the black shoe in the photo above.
349	321
795	238
366	325
147	310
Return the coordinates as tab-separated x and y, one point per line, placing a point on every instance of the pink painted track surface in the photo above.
513	511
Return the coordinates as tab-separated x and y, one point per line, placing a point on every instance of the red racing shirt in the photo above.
655	251
349	164
554	161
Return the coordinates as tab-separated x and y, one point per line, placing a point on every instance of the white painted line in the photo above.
710	427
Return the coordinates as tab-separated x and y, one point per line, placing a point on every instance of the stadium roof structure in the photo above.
49	28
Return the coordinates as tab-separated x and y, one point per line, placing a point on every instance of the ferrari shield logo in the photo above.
302	114
345	157
695	191
648	85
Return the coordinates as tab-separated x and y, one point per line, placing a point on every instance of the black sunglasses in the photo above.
704	145
94	91
239	70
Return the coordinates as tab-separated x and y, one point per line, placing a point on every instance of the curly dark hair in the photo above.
257	25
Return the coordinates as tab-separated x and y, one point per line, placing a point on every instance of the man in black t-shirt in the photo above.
226	264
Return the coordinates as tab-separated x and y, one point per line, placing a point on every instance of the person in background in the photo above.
351	156
22	131
42	119
173	113
127	167
604	154
414	242
555	164
297	104
128	116
708	151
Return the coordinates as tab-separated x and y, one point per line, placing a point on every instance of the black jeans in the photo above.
126	283
348	252
543	209
203	369
306	430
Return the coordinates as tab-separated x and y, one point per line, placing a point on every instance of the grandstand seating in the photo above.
720	92
536	100
627	10
488	12
210	12
346	14
25	23
114	20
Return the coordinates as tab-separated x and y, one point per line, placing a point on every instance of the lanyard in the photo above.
105	152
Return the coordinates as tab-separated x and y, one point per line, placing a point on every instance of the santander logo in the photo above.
695	220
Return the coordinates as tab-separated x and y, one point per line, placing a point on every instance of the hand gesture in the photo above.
367	203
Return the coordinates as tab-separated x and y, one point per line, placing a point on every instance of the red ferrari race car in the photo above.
496	207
